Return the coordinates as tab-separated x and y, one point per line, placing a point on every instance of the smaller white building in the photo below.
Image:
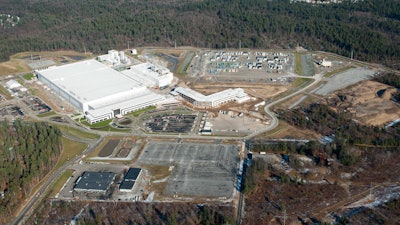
325	63
113	57
214	100
150	75
13	84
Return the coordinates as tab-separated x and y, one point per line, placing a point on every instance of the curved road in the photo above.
274	120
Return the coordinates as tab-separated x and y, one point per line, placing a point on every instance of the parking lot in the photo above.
239	66
206	170
174	123
345	79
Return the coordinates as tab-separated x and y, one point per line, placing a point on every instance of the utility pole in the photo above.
284	216
240	45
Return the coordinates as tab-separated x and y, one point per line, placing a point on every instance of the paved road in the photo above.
274	120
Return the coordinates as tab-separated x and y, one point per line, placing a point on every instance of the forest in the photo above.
348	135
29	150
369	28
369	152
392	80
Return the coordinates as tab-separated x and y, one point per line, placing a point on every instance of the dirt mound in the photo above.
369	102
386	93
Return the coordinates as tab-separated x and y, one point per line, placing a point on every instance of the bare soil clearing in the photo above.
368	101
18	63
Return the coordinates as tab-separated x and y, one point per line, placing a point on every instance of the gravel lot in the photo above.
198	169
345	79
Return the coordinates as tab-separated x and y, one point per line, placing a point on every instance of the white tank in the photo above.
122	55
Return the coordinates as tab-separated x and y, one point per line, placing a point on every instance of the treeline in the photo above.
368	28
323	120
346	135
389	79
392	80
28	150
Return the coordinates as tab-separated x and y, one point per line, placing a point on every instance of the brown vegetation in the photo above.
61	212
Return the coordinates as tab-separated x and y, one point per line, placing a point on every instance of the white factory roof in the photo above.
147	74
89	80
191	94
237	93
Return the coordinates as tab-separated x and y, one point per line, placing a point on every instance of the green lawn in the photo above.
103	126
184	64
302	82
98	125
340	70
297	84
139	112
76	132
5	93
51	113
28	76
299	67
55	187
71	149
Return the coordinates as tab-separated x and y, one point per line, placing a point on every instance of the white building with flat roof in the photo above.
97	90
214	100
150	75
12	84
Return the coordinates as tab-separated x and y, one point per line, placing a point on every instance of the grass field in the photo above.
301	82
28	76
51	113
59	183
299	67
76	132
157	173
4	92
71	149
139	112
297	84
98	125
184	64
340	70
104	126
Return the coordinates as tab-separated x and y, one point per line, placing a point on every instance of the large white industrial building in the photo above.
214	100
97	90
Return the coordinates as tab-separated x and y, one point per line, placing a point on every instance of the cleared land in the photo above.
18	63
109	148
345	79
368	102
198	169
